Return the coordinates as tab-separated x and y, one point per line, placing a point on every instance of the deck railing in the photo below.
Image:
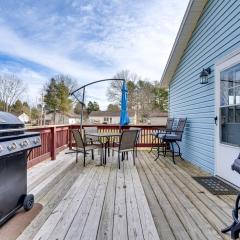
58	137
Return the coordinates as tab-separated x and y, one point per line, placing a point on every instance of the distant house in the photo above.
158	118
107	117
66	118
24	118
203	77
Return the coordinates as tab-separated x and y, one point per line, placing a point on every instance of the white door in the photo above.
227	137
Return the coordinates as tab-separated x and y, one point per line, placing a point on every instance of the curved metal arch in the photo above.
98	81
83	96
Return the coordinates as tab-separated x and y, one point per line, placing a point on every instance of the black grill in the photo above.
15	144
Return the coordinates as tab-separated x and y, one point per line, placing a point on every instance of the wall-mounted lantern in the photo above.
204	75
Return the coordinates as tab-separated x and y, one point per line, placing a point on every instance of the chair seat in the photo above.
170	137
94	140
117	149
90	147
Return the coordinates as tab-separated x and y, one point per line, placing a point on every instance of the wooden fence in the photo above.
58	137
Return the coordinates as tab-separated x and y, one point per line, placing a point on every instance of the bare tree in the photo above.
114	89
70	82
11	88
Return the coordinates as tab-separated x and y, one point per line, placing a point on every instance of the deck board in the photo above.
152	200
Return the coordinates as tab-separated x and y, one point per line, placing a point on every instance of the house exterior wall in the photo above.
216	35
114	120
24	118
61	119
97	120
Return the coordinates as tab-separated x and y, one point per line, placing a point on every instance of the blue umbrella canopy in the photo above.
124	118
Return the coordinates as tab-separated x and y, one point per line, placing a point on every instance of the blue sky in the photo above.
88	40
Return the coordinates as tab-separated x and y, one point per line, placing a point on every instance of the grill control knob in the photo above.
36	140
25	143
12	147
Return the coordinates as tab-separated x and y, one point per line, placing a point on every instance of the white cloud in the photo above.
91	41
13	45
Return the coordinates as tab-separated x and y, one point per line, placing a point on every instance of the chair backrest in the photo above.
128	139
78	138
180	127
169	124
90	130
138	131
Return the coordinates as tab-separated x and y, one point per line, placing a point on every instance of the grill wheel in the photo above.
28	202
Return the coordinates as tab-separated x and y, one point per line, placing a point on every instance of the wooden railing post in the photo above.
70	137
53	143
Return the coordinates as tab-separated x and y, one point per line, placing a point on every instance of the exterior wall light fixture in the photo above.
204	75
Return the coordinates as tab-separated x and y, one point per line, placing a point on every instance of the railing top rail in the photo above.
96	125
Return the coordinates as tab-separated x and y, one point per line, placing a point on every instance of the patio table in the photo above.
104	139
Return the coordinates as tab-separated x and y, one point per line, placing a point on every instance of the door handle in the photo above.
215	120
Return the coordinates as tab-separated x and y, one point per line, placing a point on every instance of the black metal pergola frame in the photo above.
73	93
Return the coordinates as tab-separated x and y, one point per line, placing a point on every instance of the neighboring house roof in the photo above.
72	115
159	114
189	22
22	114
107	114
69	115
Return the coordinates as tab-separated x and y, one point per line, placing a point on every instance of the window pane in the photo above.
230	115
224	89
231	96
237	95
237	76
237	114
229	128
230	79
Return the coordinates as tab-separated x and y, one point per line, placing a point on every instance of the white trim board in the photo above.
224	154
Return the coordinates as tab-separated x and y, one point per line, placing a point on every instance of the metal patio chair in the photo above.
137	139
126	144
155	135
174	136
82	146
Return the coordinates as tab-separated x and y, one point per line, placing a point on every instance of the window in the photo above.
230	106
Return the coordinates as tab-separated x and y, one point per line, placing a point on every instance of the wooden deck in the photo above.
154	200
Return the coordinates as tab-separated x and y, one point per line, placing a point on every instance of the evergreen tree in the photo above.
51	97
57	97
92	106
113	107
35	114
160	97
2	105
26	108
17	108
63	96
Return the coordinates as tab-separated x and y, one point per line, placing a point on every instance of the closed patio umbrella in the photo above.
124	119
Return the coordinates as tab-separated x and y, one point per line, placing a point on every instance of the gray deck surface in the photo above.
154	200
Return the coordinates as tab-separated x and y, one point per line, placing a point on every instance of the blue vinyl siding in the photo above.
216	34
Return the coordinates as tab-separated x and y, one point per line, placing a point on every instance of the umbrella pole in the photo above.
83	98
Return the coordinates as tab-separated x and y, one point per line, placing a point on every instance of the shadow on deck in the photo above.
154	200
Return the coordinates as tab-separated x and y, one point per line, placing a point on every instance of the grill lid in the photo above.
10	124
